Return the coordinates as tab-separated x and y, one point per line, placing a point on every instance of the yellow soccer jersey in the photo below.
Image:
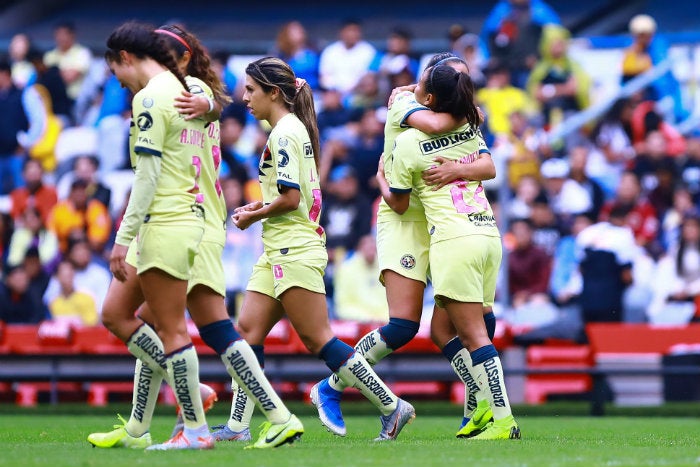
288	160
162	132
455	210
210	163
403	106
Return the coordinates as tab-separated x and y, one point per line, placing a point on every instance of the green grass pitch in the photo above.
56	438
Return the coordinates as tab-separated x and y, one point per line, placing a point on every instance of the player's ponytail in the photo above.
141	40
453	92
272	72
180	41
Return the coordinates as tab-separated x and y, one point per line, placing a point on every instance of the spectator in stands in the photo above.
683	205
242	247
520	148
469	47
690	166
606	252
333	114
78	212
578	163
642	216
343	62
72	305
397	58
39	276
347	212
526	191
13	119
647	51
71	58
675	296
6	229
557	82
529	268
500	100
90	274
17	304
546	226
50	77
612	138
365	150
566	196
22	69
645	119
358	295
651	157
293	47
564	287
512	32
237	163
367	94
86	168
31	232
34	194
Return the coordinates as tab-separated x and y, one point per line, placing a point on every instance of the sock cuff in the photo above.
482	354
451	348
335	353
219	335
490	322
398	332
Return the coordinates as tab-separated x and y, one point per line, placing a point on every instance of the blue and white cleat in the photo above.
327	401
393	423
224	433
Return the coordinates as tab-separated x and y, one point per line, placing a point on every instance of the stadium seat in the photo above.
98	340
37	339
557	356
283	339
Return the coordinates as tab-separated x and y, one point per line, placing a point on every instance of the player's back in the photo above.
457	209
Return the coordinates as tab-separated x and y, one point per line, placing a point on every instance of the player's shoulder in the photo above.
197	86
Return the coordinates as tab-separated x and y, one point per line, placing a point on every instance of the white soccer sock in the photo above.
462	366
242	364
145	345
489	376
146	390
241	409
357	372
183	376
372	347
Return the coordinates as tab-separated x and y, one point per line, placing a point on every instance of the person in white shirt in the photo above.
346	60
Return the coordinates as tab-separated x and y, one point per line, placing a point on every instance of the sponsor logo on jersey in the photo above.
433	145
147	102
308	151
283	160
144	121
283	142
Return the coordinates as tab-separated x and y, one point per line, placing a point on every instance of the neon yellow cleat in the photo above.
505	428
119	438
272	436
478	420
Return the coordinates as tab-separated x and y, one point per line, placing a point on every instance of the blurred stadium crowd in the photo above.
596	143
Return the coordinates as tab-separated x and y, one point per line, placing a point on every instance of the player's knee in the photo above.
398	332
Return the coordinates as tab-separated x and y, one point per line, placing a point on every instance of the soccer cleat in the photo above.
208	396
119	438
393	423
224	433
505	428
327	401
275	435
478	420
181	441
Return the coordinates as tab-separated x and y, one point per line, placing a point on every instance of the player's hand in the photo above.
117	262
243	219
191	106
440	174
254	206
395	91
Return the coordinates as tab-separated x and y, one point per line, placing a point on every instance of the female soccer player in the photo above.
459	218
288	278
164	215
402	247
206	288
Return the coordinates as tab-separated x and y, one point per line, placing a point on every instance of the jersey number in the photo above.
458	192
